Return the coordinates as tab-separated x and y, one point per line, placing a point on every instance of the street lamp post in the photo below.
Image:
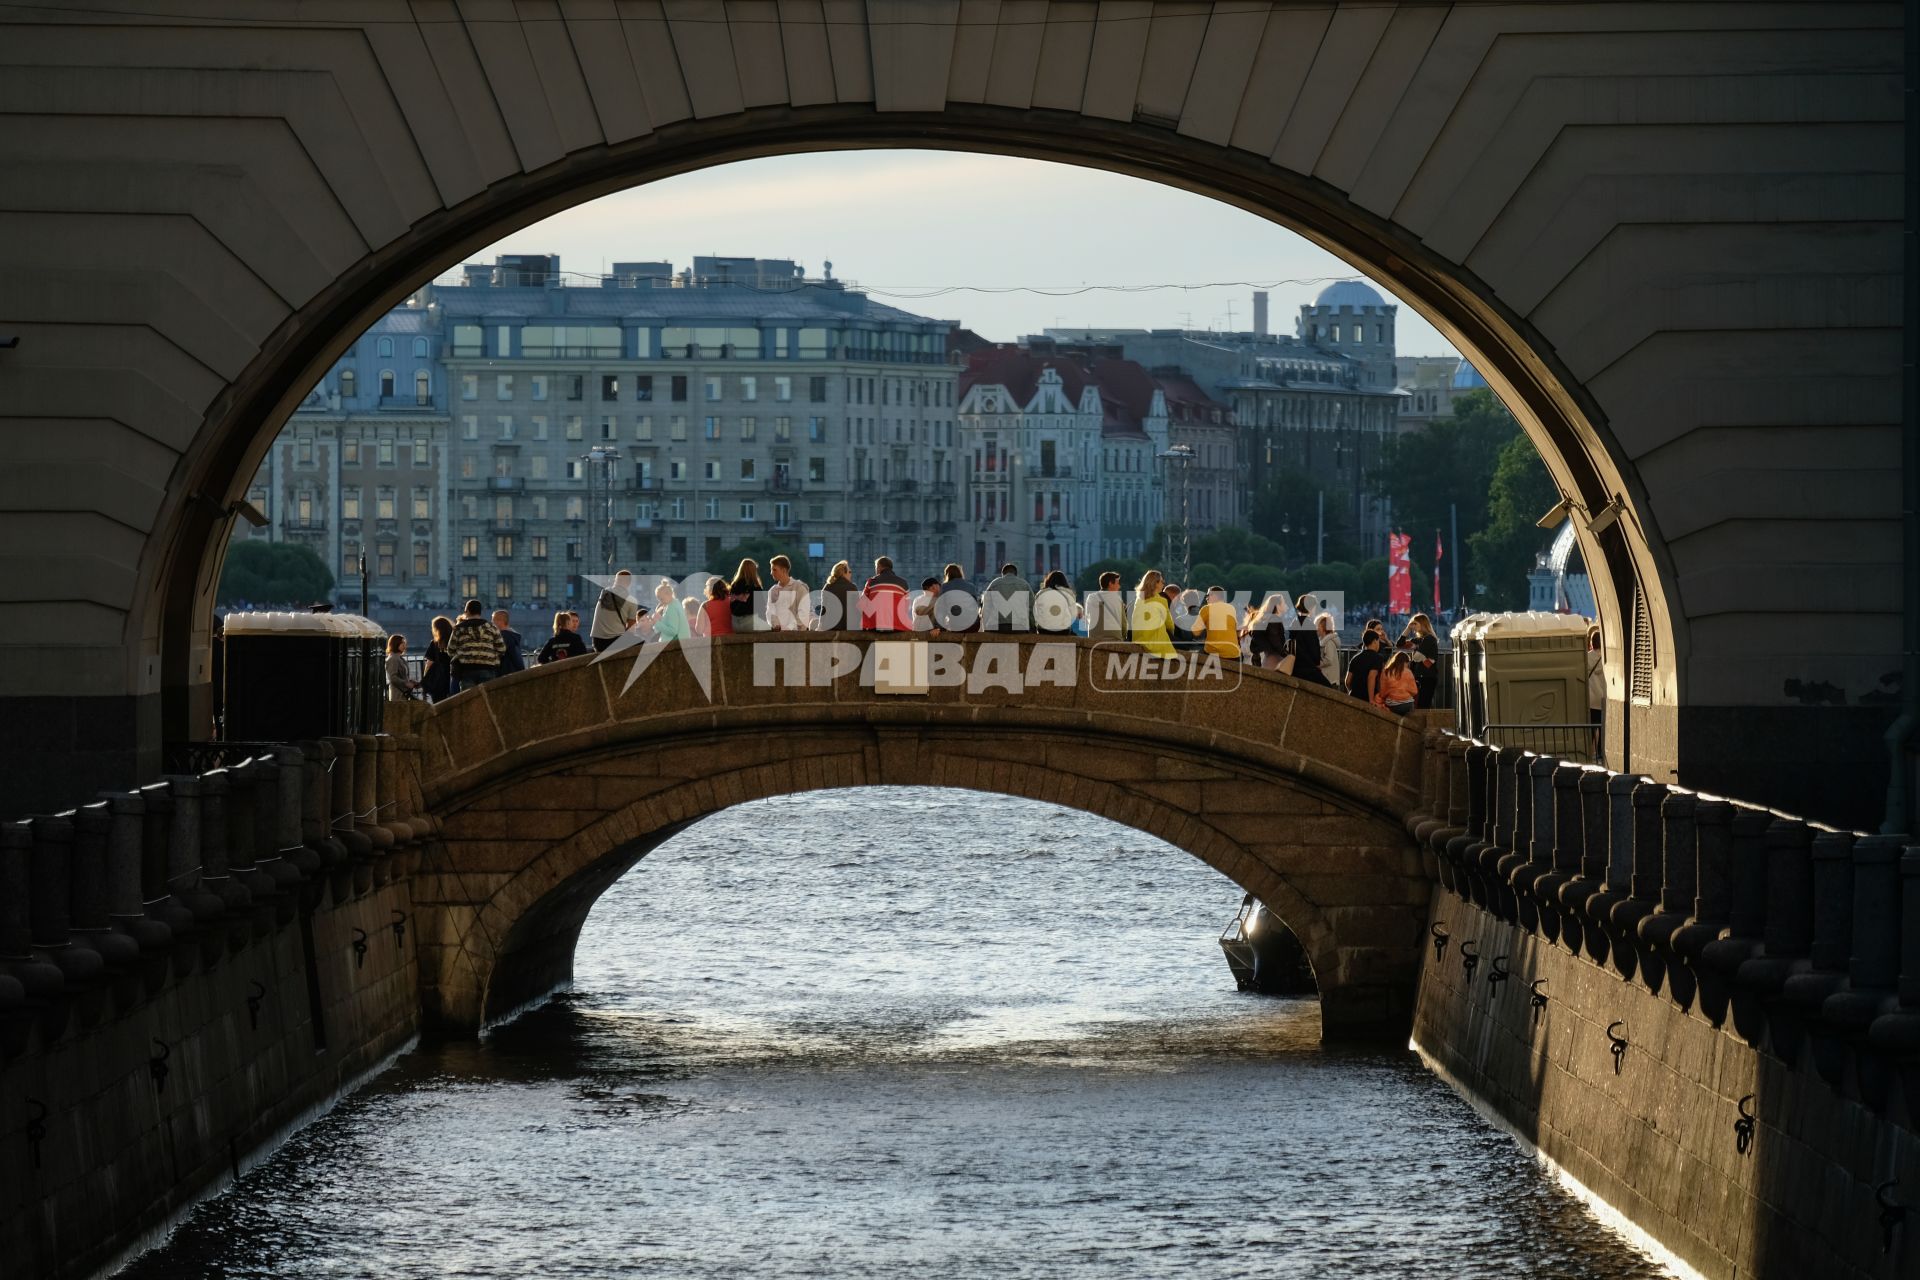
1180	536
599	463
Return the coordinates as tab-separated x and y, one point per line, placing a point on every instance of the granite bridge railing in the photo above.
1762	971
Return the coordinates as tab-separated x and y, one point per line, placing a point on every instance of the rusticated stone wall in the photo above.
186	971
1704	1011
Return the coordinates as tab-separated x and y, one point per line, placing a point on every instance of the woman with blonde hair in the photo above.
844	613
1329	647
670	618
1426	665
1266	630
1151	615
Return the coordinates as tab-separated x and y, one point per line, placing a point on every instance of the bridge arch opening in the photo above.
550	784
984	913
1623	556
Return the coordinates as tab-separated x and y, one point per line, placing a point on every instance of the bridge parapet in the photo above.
1657	985
104	906
794	680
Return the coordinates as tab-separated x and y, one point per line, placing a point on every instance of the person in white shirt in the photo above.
614	611
788	605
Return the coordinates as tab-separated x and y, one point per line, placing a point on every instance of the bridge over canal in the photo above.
549	784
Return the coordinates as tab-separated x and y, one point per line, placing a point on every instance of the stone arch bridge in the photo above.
1669	234
549	784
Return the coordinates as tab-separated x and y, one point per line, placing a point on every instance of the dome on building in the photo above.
1349	293
1467	378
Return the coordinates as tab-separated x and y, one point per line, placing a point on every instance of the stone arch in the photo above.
548	785
211	219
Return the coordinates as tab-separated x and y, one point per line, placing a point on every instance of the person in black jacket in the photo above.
513	659
436	681
565	642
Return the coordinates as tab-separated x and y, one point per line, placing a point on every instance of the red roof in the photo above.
1126	395
1018	370
1186	402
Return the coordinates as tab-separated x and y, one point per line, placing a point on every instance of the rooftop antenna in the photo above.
827	266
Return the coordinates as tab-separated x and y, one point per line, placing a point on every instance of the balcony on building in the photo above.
643	523
506	484
507	526
903	486
407	404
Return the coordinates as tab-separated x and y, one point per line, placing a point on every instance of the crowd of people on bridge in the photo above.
1294	637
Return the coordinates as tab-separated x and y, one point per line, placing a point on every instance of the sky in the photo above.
905	224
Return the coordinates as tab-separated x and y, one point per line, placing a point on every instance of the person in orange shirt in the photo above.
1398	689
1219	625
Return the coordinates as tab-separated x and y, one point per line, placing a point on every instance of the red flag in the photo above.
1399	573
1439	550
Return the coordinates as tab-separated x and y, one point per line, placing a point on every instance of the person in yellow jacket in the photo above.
1219	625
1150	615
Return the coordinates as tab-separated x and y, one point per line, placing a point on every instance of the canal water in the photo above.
898	1032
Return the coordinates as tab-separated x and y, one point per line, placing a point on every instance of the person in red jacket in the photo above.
883	601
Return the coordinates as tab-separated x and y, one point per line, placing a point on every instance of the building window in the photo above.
749	427
573	553
384	348
466	342
713	468
537	386
676	469
349	559
469	386
677	427
422	504
817	390
470	548
539	421
783	389
576	508
303	451
713	508
539	586
383	564
503	386
747	469
422	387
643	427
609	429
384	509
503	426
350	451
679	386
347	388
576	427
469	468
537	547
678	509
817	470
386	453
503	547
420	347
387	391
350	504
469	426
710	428
503	588
677	550
643	386
609	386
470	584
817	430
746	511
576	386
422	561
711	391
749	388
783	515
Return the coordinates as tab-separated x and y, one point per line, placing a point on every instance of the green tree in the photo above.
273	573
1449	463
1502	553
1128	569
760	550
1287	510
